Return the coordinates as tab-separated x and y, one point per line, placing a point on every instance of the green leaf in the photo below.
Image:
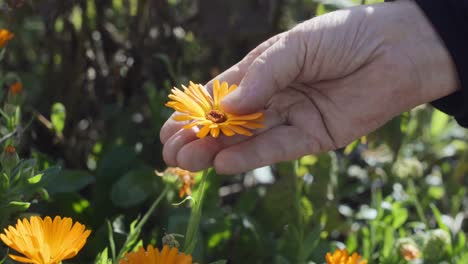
25	169
352	146
2	53
137	225
389	242
134	187
115	163
103	258
438	217
66	181
58	116
400	216
439	122
110	233
311	240
461	242
219	262
4	258
19	206
35	179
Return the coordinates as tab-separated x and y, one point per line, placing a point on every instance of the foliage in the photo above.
96	75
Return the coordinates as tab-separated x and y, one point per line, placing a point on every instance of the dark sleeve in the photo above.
450	20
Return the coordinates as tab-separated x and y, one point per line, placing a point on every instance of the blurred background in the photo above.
96	74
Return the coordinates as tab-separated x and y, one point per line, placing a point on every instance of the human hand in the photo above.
321	85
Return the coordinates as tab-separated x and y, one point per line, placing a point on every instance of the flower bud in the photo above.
436	244
15	88
9	158
15	92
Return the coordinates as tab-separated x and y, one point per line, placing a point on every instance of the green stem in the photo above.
133	235
299	213
416	203
195	216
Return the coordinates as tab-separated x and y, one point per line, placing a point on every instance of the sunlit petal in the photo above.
44	242
194	103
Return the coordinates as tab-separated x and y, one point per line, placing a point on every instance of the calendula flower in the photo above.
5	36
196	104
342	257
45	241
15	88
187	178
153	256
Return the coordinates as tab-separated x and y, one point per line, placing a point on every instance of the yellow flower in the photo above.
43	241
16	88
5	36
197	105
153	256
343	257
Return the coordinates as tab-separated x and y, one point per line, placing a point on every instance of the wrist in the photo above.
410	32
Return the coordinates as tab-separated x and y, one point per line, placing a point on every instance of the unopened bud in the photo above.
15	92
436	244
15	88
9	158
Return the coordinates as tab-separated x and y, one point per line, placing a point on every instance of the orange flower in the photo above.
343	257
186	177
5	36
43	241
196	104
16	88
153	256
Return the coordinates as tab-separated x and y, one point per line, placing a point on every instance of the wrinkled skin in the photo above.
321	85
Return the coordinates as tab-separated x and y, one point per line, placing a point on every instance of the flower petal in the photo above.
203	131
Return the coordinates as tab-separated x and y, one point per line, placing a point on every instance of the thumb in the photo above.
273	70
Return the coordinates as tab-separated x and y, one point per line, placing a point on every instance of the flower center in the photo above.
216	116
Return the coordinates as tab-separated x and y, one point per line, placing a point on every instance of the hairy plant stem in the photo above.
191	235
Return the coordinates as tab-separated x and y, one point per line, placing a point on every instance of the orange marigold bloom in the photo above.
342	257
196	104
5	36
153	256
16	88
43	241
